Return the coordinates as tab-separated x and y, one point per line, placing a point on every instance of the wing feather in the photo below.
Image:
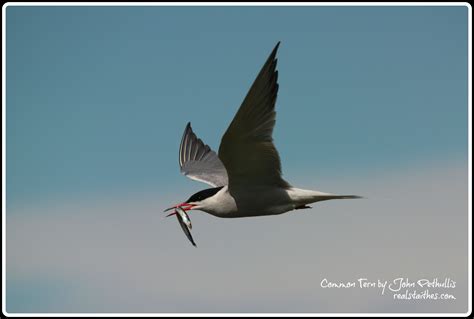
247	148
198	162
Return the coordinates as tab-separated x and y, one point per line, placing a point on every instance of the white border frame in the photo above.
275	4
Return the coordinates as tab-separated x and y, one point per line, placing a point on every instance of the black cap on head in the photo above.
199	196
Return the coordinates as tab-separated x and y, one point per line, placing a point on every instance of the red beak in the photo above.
184	206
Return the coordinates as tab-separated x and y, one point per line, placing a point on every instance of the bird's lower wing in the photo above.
197	161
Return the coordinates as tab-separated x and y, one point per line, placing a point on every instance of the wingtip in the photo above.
275	49
188	129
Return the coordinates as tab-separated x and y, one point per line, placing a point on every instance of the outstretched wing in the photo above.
197	161
247	148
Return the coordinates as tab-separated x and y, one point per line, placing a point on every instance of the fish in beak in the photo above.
185	223
183	219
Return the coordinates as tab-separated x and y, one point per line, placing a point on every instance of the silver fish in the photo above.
182	221
184	217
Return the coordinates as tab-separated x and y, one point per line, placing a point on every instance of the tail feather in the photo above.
327	197
345	196
302	197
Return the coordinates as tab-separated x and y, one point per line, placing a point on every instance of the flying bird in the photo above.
245	174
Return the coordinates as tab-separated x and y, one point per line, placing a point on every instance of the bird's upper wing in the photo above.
197	161
247	149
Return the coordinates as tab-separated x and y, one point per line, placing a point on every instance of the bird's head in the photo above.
200	200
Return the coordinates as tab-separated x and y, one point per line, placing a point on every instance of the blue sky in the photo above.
98	98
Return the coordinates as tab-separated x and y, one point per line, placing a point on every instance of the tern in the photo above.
245	174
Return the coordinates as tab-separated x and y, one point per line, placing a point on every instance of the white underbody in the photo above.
258	201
